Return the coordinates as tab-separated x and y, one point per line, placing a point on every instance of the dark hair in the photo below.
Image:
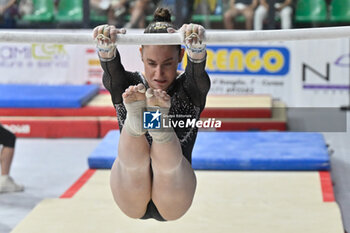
161	22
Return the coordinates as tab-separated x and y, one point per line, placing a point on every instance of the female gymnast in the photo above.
152	176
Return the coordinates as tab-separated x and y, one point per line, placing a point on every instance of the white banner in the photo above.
320	73
42	64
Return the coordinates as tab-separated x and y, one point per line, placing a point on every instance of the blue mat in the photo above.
45	96
239	151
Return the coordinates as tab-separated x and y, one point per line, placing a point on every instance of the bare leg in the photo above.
248	14
7	184
6	159
110	17
131	173
95	4
174	181
229	17
137	13
142	22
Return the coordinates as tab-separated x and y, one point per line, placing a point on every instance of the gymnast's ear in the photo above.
181	54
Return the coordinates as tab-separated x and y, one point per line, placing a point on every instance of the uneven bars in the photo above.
225	37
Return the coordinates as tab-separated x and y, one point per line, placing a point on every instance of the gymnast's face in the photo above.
160	62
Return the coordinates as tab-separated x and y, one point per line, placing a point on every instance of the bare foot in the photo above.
134	93
157	98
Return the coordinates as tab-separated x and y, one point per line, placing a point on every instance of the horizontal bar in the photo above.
220	37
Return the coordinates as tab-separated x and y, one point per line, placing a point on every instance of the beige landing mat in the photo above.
235	186
225	202
224	216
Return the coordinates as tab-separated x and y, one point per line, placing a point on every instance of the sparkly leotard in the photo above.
188	96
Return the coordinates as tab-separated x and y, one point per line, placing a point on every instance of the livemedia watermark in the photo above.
156	120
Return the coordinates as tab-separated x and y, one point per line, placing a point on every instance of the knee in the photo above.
234	13
129	208
172	218
133	213
227	15
141	4
249	15
174	215
171	211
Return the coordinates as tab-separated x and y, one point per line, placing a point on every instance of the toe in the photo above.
125	95
128	90
149	93
133	89
141	88
156	93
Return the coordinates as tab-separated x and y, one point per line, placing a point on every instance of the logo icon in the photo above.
151	120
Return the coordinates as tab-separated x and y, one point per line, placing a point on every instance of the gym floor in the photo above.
48	167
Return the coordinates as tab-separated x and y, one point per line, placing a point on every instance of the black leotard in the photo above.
188	96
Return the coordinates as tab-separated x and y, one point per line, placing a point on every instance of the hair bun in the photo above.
162	15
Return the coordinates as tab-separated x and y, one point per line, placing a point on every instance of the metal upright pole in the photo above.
347	107
271	14
86	14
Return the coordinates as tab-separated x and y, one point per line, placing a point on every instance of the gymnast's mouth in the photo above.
159	81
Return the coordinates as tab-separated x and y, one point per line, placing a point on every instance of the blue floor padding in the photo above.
105	153
46	96
239	151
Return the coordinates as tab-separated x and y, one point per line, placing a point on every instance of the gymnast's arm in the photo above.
115	78
197	82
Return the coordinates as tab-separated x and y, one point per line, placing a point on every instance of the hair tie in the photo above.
160	25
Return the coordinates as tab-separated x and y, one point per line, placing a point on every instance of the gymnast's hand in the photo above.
192	36
105	37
